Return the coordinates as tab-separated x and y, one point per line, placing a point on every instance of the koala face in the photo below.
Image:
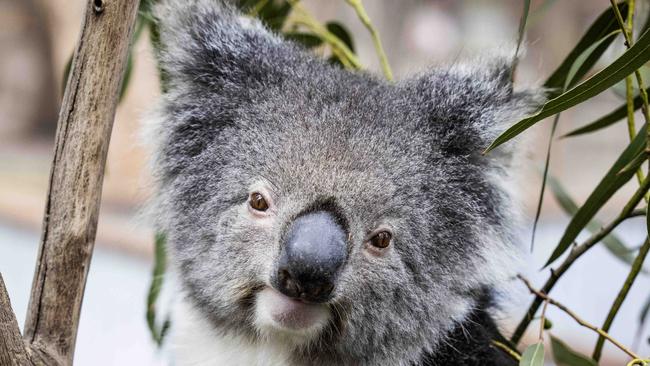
353	218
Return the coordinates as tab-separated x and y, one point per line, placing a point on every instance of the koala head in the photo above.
351	217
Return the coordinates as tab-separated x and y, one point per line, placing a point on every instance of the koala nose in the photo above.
310	260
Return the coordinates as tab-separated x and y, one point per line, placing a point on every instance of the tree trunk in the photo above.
71	210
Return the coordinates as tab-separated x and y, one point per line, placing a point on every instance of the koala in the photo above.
321	216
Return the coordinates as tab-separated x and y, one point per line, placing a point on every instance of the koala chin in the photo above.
321	216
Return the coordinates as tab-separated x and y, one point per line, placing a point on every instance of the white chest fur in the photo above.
195	342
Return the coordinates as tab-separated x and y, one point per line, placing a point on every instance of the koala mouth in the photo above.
276	312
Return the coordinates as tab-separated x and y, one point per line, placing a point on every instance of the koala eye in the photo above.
258	202
381	239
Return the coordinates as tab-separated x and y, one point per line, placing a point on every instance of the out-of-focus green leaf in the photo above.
533	356
605	24
601	194
629	61
341	32
127	75
565	356
570	78
66	73
548	324
274	14
520	37
608	119
540	11
159	268
309	40
613	244
643	315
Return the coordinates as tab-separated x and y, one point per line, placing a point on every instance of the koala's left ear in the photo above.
468	105
208	44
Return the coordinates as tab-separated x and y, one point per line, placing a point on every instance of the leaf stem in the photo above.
620	298
639	79
577	251
580	321
365	19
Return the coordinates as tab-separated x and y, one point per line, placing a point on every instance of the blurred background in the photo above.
37	37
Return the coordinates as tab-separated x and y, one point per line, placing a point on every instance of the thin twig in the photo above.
639	79
577	251
578	319
622	294
504	347
628	34
365	19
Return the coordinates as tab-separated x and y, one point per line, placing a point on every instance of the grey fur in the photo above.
245	107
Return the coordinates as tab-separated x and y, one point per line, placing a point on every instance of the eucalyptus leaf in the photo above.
608	119
609	185
635	163
66	73
341	32
522	31
602	26
160	266
533	355
309	40
127	75
629	61
565	356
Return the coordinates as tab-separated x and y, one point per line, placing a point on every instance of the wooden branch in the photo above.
12	347
578	319
72	207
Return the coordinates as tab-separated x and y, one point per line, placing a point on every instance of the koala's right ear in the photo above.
208	44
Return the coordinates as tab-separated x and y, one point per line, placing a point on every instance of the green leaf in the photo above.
565	356
629	61
522	26
533	356
608	119
159	268
127	74
601	194
580	60
635	164
274	14
604	25
309	40
341	32
66	73
612	242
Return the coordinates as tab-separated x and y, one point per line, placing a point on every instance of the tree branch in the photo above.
12	347
72	206
578	319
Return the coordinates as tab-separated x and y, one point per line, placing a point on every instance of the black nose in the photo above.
310	260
